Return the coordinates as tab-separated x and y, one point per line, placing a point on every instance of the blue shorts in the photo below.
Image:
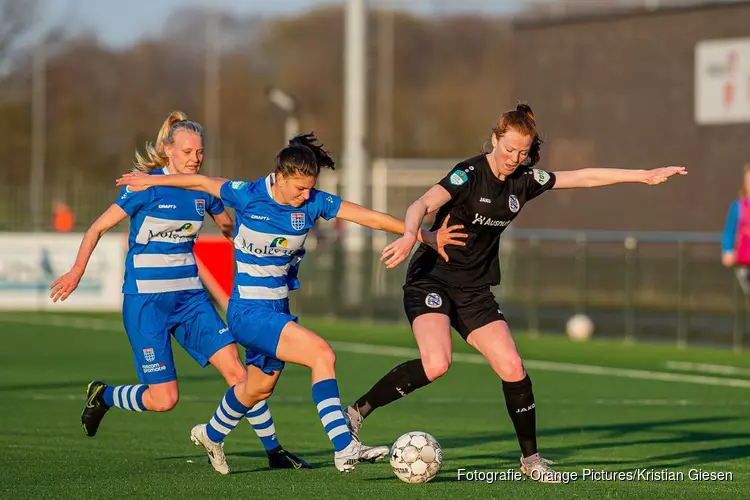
189	316
257	325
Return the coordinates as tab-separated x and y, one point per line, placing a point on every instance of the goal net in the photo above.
396	183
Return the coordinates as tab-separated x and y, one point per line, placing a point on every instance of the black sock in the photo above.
274	450
397	383
519	399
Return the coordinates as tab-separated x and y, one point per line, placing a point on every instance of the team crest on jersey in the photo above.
459	178
433	300
298	221
149	354
513	203
200	207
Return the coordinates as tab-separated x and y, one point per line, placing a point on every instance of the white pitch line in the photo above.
553	366
406	352
80	322
707	368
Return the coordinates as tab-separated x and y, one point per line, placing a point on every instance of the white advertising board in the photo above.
722	81
30	262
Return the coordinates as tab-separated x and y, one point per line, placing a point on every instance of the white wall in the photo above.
30	262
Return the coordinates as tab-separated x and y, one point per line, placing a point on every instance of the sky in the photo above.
119	23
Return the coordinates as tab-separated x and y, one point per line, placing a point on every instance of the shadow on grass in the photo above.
457	448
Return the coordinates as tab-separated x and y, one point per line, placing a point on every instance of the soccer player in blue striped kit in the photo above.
274	215
163	294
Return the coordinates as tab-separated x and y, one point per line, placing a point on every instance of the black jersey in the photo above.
485	205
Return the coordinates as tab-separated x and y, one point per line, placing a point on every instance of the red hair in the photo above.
522	121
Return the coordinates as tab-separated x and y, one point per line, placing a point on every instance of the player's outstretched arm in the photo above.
395	253
196	182
373	219
68	282
594	177
384	222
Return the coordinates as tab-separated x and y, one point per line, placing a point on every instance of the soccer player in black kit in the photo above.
484	194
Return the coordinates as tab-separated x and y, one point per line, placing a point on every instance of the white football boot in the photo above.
356	453
215	451
537	468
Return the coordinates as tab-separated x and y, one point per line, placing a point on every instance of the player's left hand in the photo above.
658	175
397	252
137	181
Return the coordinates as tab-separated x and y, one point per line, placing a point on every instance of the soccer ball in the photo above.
579	328
416	457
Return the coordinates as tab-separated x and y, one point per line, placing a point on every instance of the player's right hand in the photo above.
136	181
446	235
727	259
65	285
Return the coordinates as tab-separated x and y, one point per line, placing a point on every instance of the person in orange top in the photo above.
63	219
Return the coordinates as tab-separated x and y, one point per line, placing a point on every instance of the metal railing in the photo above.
656	286
667	286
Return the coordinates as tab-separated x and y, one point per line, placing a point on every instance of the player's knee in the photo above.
436	367
259	393
164	401
236	375
259	390
324	356
263	393
512	370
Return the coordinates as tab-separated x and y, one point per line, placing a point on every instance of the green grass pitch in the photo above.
616	420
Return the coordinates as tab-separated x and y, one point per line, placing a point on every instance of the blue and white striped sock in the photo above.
260	418
127	397
227	416
326	396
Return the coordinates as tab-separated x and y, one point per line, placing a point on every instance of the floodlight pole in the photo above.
355	115
288	104
38	134
212	93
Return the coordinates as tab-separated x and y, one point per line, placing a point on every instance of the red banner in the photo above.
215	256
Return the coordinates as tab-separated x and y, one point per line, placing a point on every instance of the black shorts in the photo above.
467	308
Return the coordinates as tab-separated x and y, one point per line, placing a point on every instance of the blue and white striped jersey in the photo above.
164	223
269	238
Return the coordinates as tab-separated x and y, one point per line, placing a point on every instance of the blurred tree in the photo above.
451	79
16	20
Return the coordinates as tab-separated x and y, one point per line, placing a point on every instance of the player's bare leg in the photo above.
234	406
302	346
227	362
100	397
433	336
495	343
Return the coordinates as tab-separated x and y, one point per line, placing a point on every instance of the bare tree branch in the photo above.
16	20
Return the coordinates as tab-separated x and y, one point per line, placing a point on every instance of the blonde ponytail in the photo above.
155	156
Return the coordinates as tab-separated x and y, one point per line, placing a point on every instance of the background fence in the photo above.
634	286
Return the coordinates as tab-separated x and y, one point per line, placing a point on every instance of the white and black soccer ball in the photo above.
579	328
416	457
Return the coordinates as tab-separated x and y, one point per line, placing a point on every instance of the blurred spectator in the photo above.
63	219
735	242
